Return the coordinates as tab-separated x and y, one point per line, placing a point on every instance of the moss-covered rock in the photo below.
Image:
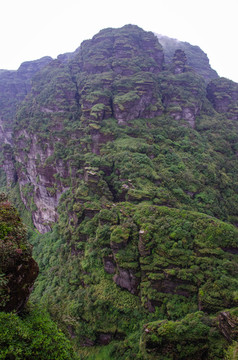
18	270
133	166
223	94
196	336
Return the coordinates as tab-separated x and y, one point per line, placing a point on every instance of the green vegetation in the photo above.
191	338
171	262
33	335
12	233
142	260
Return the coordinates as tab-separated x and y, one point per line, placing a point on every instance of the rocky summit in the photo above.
122	159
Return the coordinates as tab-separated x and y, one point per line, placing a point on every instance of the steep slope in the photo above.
32	334
118	74
82	93
14	86
132	162
115	272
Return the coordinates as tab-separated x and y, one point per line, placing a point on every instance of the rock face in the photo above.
126	279
183	94
179	61
59	108
18	269
223	94
196	58
14	86
135	160
115	75
228	325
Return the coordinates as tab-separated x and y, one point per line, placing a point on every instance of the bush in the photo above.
32	336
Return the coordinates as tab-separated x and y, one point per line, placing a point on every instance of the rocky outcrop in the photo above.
179	62
223	94
196	58
18	270
183	94
109	264
40	183
126	279
228	325
196	333
116	75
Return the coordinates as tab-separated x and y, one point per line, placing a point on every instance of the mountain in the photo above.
125	154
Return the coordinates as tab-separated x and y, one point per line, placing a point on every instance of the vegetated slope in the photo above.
32	334
145	155
18	270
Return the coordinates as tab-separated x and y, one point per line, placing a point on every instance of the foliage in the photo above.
191	338
32	336
178	260
17	268
147	172
12	233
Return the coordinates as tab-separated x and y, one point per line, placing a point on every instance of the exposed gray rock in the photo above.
109	265
127	280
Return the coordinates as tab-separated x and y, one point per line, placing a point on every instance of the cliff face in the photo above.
41	176
114	74
130	159
223	94
119	74
14	86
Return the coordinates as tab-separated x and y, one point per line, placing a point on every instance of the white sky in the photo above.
31	29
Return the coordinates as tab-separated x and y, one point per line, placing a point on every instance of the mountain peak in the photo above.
124	154
196	58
